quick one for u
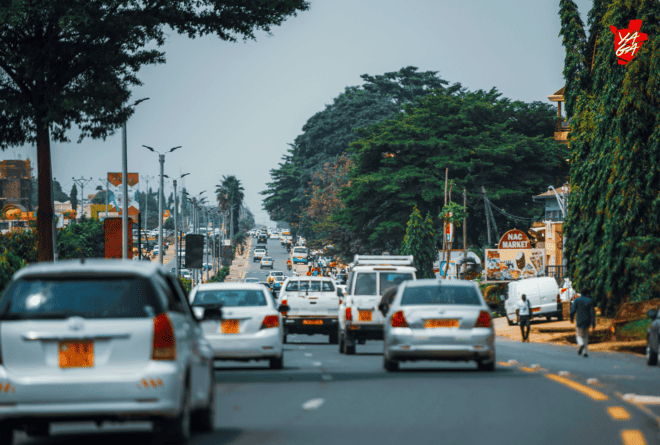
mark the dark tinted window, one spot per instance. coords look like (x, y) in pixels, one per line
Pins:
(292, 286)
(304, 286)
(315, 286)
(125, 297)
(365, 284)
(392, 279)
(327, 287)
(446, 294)
(230, 298)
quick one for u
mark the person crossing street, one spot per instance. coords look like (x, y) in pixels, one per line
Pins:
(583, 307)
(524, 313)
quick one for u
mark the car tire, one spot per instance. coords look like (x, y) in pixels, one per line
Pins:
(390, 365)
(177, 430)
(284, 339)
(38, 429)
(561, 317)
(342, 343)
(484, 365)
(349, 349)
(333, 338)
(277, 362)
(651, 356)
(204, 419)
(6, 433)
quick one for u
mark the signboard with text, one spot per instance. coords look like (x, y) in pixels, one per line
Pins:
(514, 259)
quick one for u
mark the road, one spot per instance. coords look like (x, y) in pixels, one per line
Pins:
(539, 394)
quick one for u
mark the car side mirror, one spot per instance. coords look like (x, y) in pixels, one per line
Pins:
(382, 307)
(213, 313)
(651, 314)
(283, 308)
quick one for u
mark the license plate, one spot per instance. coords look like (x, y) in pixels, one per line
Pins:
(317, 322)
(229, 326)
(441, 323)
(76, 354)
(536, 309)
(364, 315)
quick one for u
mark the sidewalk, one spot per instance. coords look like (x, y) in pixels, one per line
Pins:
(240, 264)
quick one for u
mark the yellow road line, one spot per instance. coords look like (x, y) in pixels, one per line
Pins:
(633, 437)
(596, 395)
(504, 364)
(618, 413)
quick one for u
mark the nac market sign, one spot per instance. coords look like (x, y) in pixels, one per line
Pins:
(628, 41)
(514, 259)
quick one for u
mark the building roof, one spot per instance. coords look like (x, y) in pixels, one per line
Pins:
(558, 96)
(566, 188)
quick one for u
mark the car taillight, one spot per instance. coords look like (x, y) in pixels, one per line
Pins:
(271, 321)
(349, 314)
(484, 320)
(164, 347)
(558, 299)
(398, 320)
(284, 304)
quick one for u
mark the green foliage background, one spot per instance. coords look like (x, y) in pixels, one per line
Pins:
(420, 242)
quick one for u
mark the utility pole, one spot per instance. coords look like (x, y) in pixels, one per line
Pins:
(146, 209)
(231, 234)
(176, 235)
(483, 190)
(464, 233)
(81, 182)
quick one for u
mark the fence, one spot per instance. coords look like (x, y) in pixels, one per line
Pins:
(557, 272)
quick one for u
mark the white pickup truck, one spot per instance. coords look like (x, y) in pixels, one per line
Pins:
(371, 276)
(313, 305)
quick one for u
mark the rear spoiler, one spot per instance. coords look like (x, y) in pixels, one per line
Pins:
(383, 260)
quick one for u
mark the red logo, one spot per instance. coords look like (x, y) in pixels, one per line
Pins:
(628, 41)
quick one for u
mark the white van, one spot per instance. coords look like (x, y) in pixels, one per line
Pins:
(543, 294)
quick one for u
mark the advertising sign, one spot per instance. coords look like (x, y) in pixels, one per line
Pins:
(113, 238)
(451, 272)
(628, 41)
(194, 251)
(115, 195)
(514, 259)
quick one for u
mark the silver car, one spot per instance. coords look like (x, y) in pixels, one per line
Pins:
(251, 325)
(653, 337)
(102, 340)
(438, 320)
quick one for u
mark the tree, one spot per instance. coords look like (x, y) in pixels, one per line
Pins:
(229, 193)
(73, 198)
(65, 63)
(85, 239)
(247, 222)
(169, 224)
(420, 242)
(614, 207)
(482, 138)
(99, 198)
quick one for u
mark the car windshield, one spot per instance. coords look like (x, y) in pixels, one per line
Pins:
(230, 298)
(388, 280)
(267, 259)
(277, 274)
(440, 294)
(60, 298)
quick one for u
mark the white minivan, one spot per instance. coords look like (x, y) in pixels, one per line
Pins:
(543, 294)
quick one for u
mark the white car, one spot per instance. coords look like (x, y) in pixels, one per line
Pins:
(259, 253)
(103, 340)
(266, 262)
(251, 326)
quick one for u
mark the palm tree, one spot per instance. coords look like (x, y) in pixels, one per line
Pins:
(230, 193)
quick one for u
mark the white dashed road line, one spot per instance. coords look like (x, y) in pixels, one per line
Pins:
(317, 363)
(308, 354)
(313, 404)
(643, 400)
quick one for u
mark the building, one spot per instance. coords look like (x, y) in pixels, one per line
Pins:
(15, 186)
(563, 127)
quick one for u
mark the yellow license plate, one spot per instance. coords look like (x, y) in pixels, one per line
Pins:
(536, 309)
(441, 323)
(76, 354)
(364, 315)
(229, 326)
(313, 322)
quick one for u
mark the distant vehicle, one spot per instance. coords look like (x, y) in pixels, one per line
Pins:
(262, 238)
(266, 262)
(300, 255)
(276, 283)
(259, 253)
(250, 327)
(273, 274)
(103, 324)
(251, 280)
(653, 337)
(542, 293)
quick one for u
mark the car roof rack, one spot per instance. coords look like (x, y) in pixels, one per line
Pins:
(383, 260)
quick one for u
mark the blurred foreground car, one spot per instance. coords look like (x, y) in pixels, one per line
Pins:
(653, 337)
(438, 320)
(250, 327)
(102, 340)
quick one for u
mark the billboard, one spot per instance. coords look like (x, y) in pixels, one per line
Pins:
(115, 195)
(514, 259)
(194, 251)
(113, 238)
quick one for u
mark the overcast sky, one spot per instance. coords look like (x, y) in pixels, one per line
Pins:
(234, 107)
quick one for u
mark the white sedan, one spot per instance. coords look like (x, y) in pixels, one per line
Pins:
(251, 326)
(266, 262)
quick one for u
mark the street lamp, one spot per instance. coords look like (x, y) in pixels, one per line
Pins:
(161, 158)
(124, 186)
(176, 229)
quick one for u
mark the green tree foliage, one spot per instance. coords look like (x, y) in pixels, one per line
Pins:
(85, 239)
(169, 224)
(65, 63)
(420, 242)
(328, 134)
(483, 139)
(615, 169)
(220, 276)
(10, 263)
(74, 197)
(23, 244)
(151, 208)
(574, 40)
(229, 193)
(99, 198)
(248, 221)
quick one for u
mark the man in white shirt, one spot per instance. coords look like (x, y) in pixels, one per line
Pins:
(524, 312)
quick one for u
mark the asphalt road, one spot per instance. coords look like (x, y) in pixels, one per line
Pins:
(539, 394)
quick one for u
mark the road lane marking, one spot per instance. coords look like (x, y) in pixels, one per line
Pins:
(525, 368)
(594, 382)
(642, 400)
(633, 437)
(512, 362)
(504, 363)
(307, 354)
(596, 395)
(564, 373)
(313, 404)
(618, 413)
(317, 363)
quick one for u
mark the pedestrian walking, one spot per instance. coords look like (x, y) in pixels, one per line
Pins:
(583, 307)
(524, 312)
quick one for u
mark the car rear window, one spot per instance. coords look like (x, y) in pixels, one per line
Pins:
(388, 280)
(327, 286)
(60, 298)
(230, 298)
(445, 294)
(365, 284)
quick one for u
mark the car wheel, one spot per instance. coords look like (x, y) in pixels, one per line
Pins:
(6, 433)
(651, 356)
(484, 365)
(204, 420)
(284, 339)
(38, 429)
(277, 362)
(177, 430)
(390, 365)
(334, 338)
(349, 349)
(342, 343)
(561, 317)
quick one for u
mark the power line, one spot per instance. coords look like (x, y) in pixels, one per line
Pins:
(513, 217)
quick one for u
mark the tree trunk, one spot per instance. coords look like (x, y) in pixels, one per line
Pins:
(44, 183)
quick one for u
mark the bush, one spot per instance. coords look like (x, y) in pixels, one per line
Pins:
(186, 284)
(635, 330)
(10, 263)
(220, 276)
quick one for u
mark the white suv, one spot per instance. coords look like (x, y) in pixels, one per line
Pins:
(371, 276)
(258, 254)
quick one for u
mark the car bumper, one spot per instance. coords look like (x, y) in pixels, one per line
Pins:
(151, 392)
(299, 260)
(298, 325)
(406, 344)
(266, 343)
